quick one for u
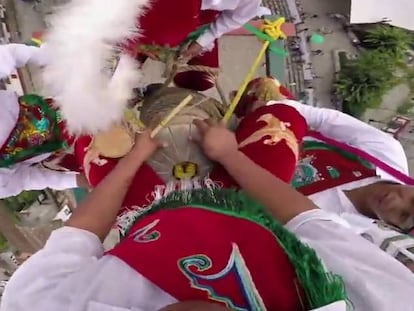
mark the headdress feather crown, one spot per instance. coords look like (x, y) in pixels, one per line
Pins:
(83, 39)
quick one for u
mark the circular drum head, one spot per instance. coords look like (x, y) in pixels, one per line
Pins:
(182, 159)
(115, 143)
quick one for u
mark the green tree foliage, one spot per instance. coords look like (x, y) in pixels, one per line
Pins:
(363, 81)
(388, 39)
(21, 201)
(3, 243)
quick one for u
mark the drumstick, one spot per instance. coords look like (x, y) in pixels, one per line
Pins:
(171, 115)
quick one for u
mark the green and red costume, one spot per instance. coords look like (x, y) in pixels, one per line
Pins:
(164, 25)
(39, 130)
(216, 244)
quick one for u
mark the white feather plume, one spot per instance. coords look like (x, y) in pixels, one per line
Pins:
(81, 42)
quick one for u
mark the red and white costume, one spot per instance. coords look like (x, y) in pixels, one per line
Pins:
(73, 258)
(165, 25)
(325, 169)
(190, 251)
(325, 172)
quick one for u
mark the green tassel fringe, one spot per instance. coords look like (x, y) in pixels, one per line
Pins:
(321, 287)
(193, 36)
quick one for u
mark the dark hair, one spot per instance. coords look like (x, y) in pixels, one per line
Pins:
(150, 89)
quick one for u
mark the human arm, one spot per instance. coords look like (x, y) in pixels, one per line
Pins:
(98, 212)
(229, 20)
(78, 245)
(346, 129)
(374, 280)
(66, 252)
(282, 201)
(14, 56)
(23, 177)
(364, 268)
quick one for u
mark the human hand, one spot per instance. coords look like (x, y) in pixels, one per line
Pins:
(193, 50)
(145, 146)
(218, 143)
(82, 181)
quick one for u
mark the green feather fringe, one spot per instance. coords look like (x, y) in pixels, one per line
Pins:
(321, 287)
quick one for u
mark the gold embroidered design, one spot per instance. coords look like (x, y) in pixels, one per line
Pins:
(274, 131)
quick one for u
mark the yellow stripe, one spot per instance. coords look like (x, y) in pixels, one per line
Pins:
(37, 41)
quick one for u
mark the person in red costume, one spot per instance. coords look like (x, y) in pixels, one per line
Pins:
(168, 23)
(210, 248)
(218, 265)
(376, 203)
(284, 125)
(329, 174)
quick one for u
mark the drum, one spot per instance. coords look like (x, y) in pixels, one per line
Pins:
(182, 159)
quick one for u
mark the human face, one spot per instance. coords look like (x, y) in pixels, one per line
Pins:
(393, 204)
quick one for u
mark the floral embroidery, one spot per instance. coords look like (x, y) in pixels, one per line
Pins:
(305, 173)
(333, 172)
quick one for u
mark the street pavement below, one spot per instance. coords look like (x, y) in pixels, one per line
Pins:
(317, 20)
(237, 54)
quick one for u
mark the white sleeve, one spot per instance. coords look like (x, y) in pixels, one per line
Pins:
(374, 280)
(344, 128)
(229, 21)
(67, 251)
(23, 177)
(14, 56)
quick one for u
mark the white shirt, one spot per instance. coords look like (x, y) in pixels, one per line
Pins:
(233, 15)
(335, 201)
(344, 128)
(14, 56)
(70, 273)
(23, 176)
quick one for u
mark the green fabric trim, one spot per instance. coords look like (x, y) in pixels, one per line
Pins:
(308, 145)
(165, 53)
(193, 36)
(32, 43)
(321, 287)
(262, 36)
(54, 146)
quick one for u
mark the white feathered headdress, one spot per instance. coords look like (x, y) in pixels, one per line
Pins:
(80, 45)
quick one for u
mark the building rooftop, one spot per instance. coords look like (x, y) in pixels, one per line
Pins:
(397, 12)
